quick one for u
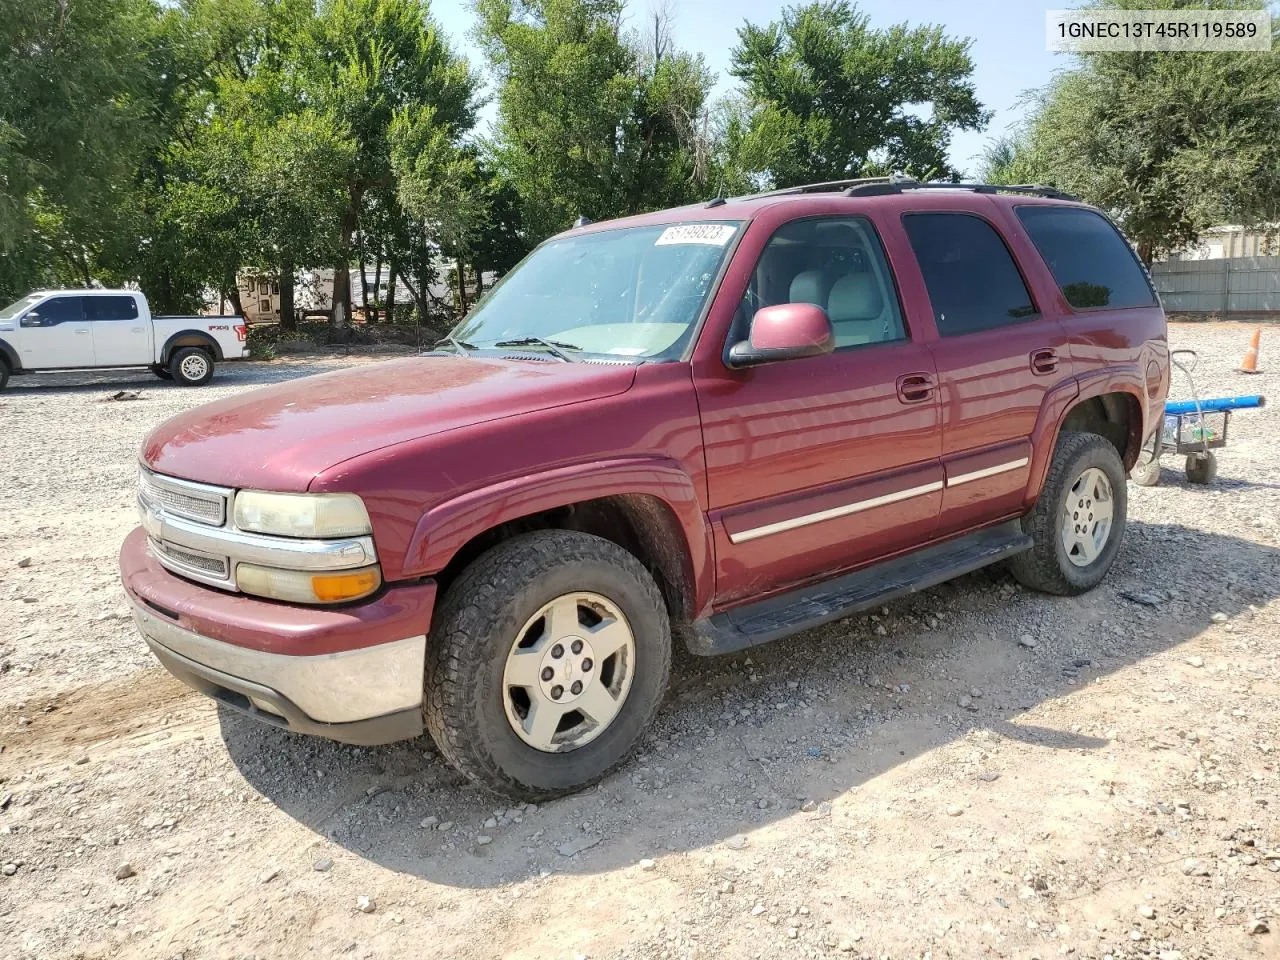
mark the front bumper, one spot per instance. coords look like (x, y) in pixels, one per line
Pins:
(352, 674)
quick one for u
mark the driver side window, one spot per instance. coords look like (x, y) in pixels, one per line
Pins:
(836, 263)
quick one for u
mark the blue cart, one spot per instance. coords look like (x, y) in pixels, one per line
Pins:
(1192, 428)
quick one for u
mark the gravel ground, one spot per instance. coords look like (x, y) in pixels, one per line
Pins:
(977, 771)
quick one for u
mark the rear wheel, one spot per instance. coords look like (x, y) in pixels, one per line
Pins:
(191, 366)
(1078, 522)
(548, 658)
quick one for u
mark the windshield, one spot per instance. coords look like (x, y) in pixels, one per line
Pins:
(633, 292)
(13, 309)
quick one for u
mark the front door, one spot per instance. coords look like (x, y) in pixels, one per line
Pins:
(120, 337)
(54, 334)
(819, 464)
(998, 352)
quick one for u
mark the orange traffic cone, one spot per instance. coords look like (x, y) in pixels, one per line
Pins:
(1250, 362)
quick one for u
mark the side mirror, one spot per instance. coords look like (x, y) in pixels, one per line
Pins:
(785, 331)
(32, 319)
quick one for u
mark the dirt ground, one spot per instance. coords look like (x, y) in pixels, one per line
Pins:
(978, 771)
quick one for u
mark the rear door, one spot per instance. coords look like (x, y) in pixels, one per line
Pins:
(998, 353)
(819, 464)
(120, 336)
(55, 334)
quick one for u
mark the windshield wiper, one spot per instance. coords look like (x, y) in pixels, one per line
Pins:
(555, 347)
(459, 346)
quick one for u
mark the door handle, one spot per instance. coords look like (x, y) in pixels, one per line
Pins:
(80, 331)
(138, 329)
(1044, 361)
(915, 387)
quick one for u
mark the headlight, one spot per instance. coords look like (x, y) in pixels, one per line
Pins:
(310, 515)
(295, 586)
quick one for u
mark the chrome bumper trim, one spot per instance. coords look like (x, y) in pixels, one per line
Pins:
(329, 688)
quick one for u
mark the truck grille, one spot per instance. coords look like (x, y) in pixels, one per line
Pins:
(194, 501)
(189, 561)
(192, 532)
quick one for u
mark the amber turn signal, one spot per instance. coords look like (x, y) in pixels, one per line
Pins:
(336, 587)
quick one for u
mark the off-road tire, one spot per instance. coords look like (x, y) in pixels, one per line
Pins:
(474, 629)
(1045, 566)
(185, 377)
(1202, 468)
(1146, 472)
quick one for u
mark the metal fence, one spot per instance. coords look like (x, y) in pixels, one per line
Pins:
(1235, 286)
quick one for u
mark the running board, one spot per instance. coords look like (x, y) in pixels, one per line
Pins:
(816, 604)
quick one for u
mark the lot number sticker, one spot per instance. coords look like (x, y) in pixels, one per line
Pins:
(714, 234)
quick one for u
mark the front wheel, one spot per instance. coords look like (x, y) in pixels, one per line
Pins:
(1078, 522)
(4, 374)
(191, 366)
(548, 658)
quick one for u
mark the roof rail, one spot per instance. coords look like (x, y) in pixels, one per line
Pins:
(822, 187)
(898, 183)
(1031, 189)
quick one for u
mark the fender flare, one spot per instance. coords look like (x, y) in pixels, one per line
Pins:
(205, 340)
(446, 527)
(11, 356)
(1065, 397)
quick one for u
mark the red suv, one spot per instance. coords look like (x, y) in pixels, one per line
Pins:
(745, 418)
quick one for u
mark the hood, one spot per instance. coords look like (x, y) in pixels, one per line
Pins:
(281, 437)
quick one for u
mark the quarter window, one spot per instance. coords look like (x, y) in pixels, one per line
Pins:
(836, 263)
(1092, 264)
(972, 280)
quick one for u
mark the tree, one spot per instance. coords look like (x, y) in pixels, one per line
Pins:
(828, 97)
(1168, 143)
(590, 122)
(371, 62)
(72, 124)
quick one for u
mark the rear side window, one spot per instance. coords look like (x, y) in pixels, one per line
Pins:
(972, 280)
(1091, 262)
(111, 308)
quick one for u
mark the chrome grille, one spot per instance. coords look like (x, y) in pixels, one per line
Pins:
(192, 562)
(182, 498)
(192, 532)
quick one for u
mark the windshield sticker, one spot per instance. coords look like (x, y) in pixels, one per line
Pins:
(714, 234)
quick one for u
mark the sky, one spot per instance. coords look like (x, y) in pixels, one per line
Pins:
(1008, 49)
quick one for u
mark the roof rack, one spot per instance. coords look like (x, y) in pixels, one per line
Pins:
(823, 187)
(898, 183)
(1030, 189)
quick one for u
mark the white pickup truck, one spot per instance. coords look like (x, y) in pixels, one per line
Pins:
(93, 329)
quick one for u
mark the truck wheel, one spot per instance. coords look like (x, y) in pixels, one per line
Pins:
(1078, 522)
(547, 659)
(4, 374)
(1146, 472)
(1202, 467)
(191, 366)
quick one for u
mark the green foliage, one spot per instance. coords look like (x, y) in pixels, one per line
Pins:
(73, 121)
(828, 97)
(591, 122)
(1168, 143)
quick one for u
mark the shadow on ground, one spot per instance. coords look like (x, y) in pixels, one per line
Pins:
(745, 740)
